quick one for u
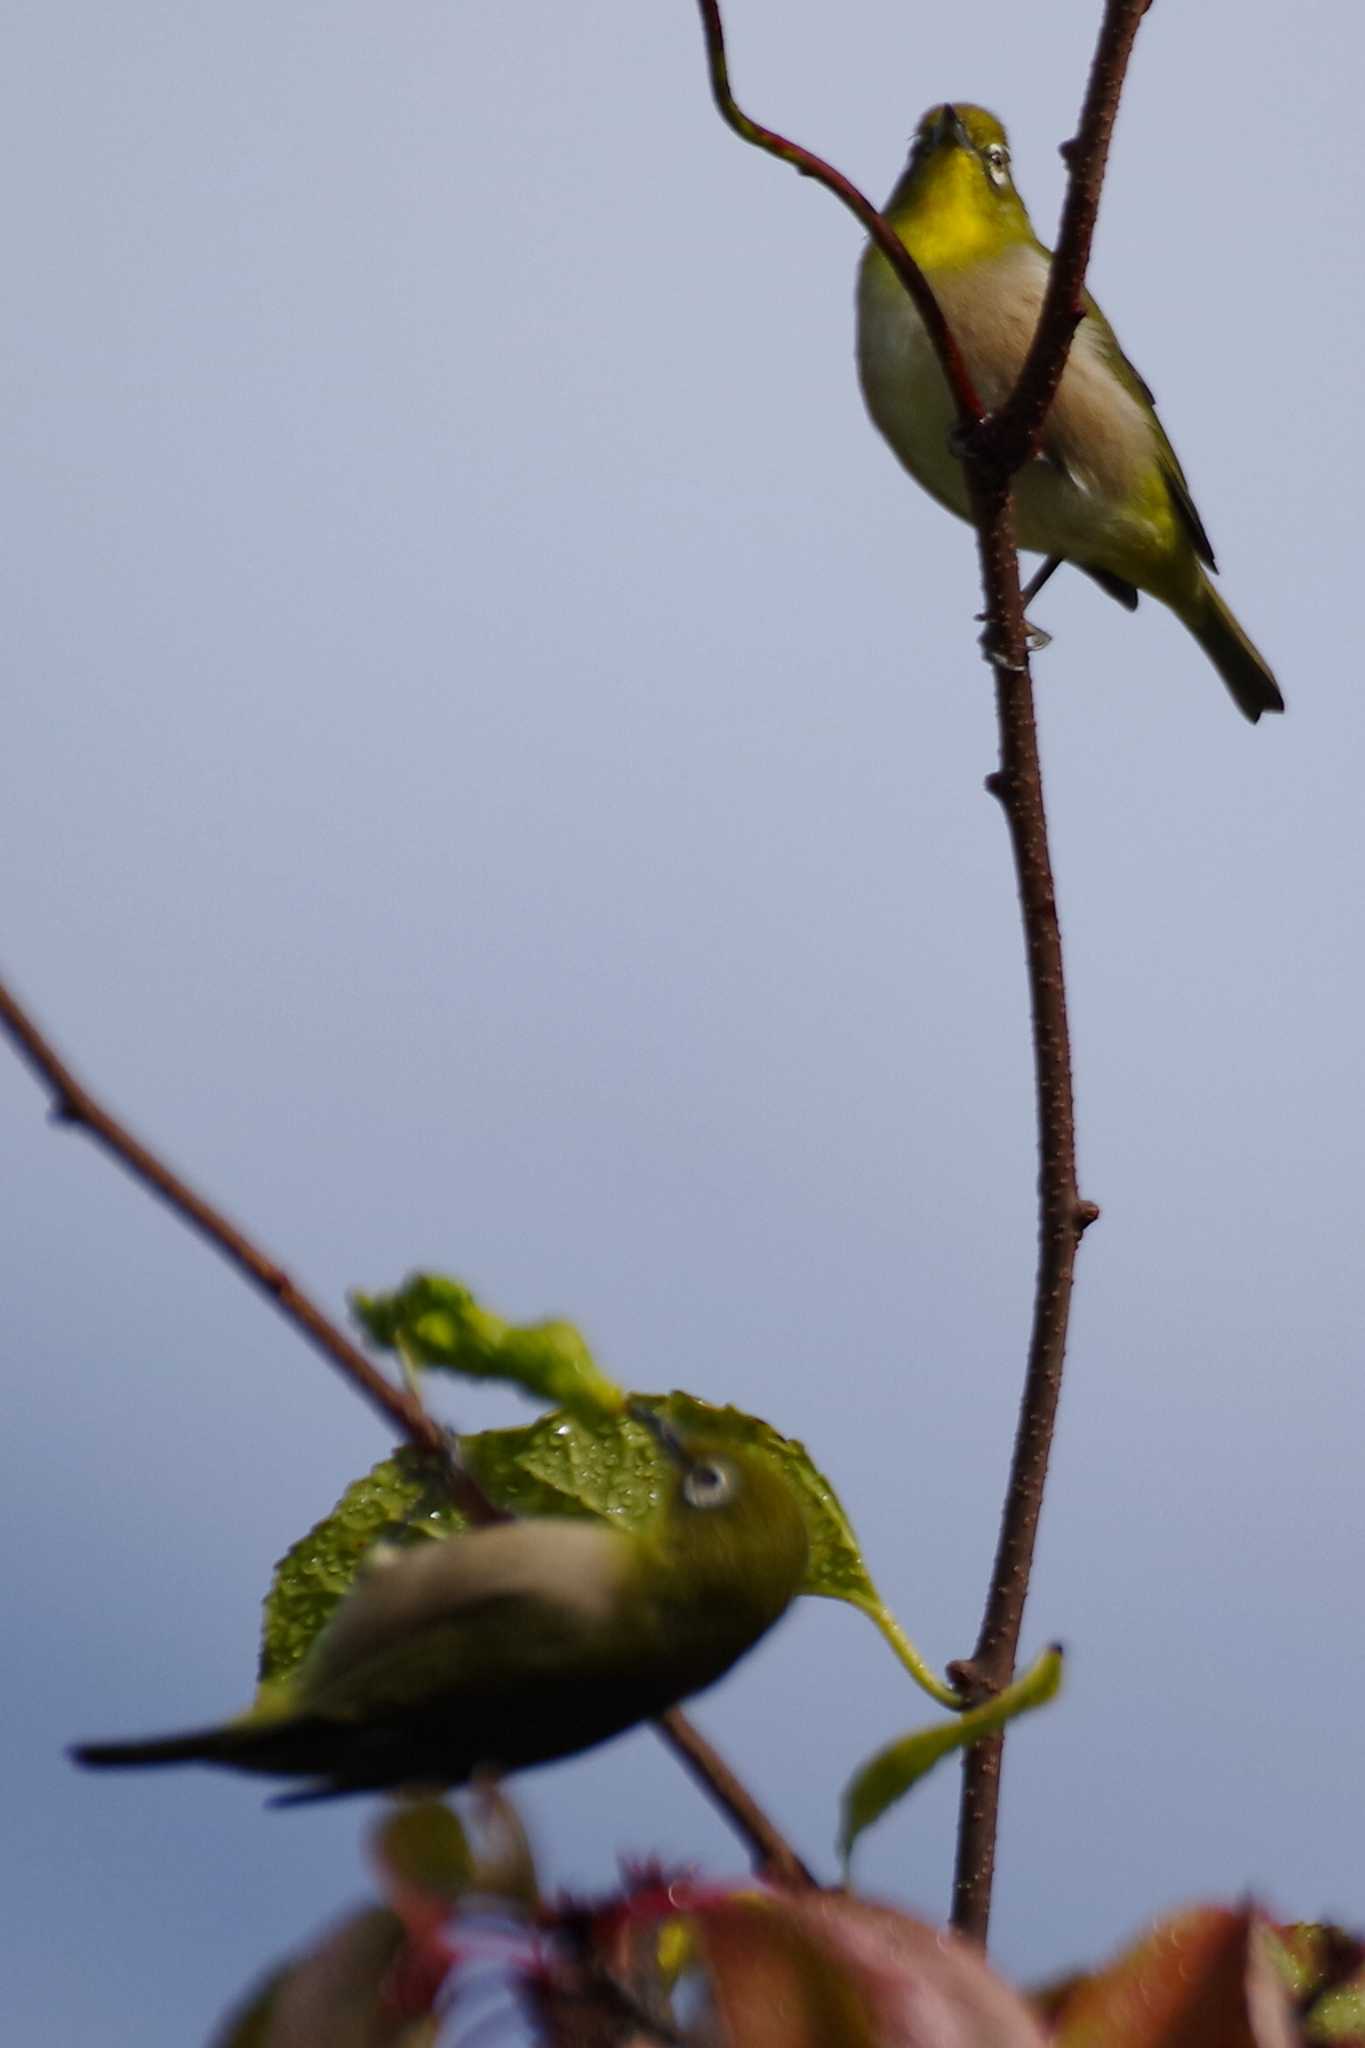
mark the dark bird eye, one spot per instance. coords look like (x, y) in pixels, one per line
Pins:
(997, 163)
(709, 1485)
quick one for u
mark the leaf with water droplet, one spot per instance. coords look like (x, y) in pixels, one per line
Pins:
(436, 1323)
(397, 1501)
(610, 1466)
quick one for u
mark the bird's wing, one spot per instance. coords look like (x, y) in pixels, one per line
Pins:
(481, 1600)
(1138, 387)
(504, 1644)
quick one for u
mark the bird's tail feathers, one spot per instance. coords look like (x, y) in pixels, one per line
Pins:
(197, 1745)
(1241, 665)
(283, 1745)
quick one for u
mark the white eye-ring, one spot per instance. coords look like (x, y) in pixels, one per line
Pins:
(709, 1484)
(997, 163)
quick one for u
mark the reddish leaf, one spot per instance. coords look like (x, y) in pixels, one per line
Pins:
(336, 1996)
(1204, 1979)
(828, 1971)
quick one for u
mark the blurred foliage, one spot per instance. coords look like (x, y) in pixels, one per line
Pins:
(608, 1466)
(436, 1323)
(886, 1777)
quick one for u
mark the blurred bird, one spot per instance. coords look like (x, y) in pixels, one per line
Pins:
(516, 1644)
(1105, 490)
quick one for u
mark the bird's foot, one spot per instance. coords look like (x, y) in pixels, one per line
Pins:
(1035, 640)
(976, 442)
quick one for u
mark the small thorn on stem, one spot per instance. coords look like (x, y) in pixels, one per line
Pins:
(1086, 1214)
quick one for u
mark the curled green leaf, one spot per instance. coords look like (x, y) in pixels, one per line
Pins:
(886, 1777)
(437, 1323)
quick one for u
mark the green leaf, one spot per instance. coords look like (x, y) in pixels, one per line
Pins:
(616, 1468)
(566, 1464)
(399, 1500)
(886, 1777)
(563, 1463)
(1324, 1967)
(421, 1848)
(558, 1465)
(836, 1570)
(435, 1322)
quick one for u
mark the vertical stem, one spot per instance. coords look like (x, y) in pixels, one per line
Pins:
(1018, 784)
(992, 449)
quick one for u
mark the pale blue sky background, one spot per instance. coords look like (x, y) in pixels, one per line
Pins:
(492, 778)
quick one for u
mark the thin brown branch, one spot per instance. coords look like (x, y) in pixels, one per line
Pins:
(1063, 1216)
(1010, 438)
(772, 1853)
(1019, 786)
(970, 411)
(72, 1103)
(992, 449)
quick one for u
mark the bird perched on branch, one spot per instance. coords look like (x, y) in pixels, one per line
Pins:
(1104, 490)
(519, 1643)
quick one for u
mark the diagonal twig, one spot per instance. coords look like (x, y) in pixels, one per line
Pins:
(772, 1851)
(73, 1104)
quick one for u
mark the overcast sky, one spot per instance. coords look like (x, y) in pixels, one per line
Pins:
(492, 779)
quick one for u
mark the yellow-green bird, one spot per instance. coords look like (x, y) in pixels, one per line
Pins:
(514, 1645)
(1105, 490)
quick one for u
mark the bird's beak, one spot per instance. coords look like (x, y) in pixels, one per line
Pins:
(663, 1432)
(948, 128)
